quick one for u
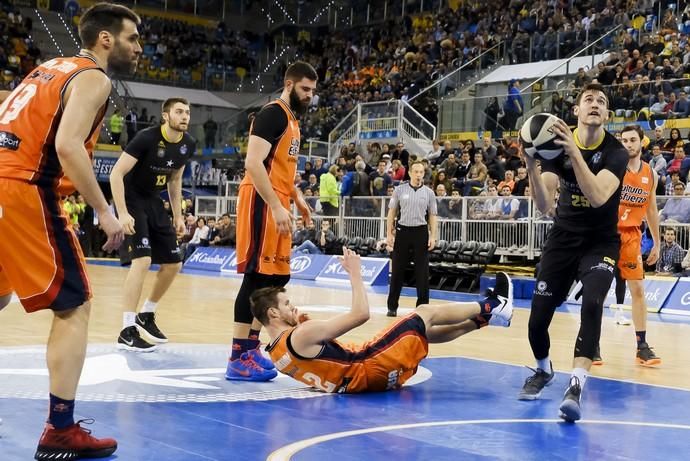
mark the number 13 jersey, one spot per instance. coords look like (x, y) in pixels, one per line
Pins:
(29, 119)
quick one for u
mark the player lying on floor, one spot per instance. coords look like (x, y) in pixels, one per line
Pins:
(307, 350)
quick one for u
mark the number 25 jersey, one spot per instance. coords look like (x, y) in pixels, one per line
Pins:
(29, 119)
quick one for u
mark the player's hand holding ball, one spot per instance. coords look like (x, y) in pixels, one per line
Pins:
(545, 137)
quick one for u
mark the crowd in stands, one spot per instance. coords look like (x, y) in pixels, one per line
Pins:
(178, 52)
(18, 53)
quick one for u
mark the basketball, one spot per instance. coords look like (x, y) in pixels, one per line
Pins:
(538, 137)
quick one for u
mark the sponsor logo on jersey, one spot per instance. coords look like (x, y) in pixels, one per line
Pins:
(161, 149)
(596, 157)
(294, 147)
(541, 289)
(183, 149)
(9, 140)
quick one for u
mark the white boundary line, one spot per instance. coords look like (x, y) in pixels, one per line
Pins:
(285, 453)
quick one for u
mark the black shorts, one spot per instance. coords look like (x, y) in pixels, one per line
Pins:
(570, 256)
(154, 235)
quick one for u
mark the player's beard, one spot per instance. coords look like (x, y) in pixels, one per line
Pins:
(178, 126)
(290, 320)
(119, 61)
(297, 105)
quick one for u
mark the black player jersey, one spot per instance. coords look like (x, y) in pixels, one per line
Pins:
(574, 212)
(157, 158)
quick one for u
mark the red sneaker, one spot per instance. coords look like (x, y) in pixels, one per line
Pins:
(72, 442)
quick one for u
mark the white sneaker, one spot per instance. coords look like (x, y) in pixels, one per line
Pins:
(618, 314)
(502, 314)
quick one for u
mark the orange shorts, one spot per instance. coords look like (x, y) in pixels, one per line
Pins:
(630, 261)
(260, 248)
(40, 256)
(395, 354)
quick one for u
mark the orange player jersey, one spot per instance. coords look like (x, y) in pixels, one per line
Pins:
(384, 363)
(29, 119)
(281, 162)
(635, 195)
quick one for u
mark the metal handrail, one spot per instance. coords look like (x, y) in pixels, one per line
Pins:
(467, 64)
(567, 61)
(404, 105)
(340, 123)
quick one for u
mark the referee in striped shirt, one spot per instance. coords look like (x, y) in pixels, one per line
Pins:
(415, 232)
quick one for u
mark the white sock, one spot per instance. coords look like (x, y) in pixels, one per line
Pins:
(128, 319)
(581, 374)
(148, 306)
(545, 364)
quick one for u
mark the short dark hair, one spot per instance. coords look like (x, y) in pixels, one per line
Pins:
(299, 70)
(168, 103)
(262, 300)
(103, 16)
(635, 128)
(591, 87)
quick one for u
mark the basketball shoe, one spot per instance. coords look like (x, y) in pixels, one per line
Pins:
(597, 360)
(502, 314)
(646, 356)
(72, 442)
(146, 321)
(533, 386)
(260, 359)
(570, 407)
(246, 369)
(131, 340)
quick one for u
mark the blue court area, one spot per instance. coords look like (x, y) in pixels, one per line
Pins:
(174, 405)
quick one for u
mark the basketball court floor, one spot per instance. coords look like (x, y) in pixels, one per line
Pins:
(174, 404)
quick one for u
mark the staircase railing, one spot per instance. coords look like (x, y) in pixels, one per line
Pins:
(386, 120)
(458, 79)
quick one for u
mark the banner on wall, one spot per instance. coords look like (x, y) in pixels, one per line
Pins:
(307, 267)
(656, 291)
(681, 123)
(374, 271)
(379, 134)
(210, 259)
(102, 166)
(679, 300)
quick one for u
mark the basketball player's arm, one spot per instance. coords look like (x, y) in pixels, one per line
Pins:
(175, 194)
(543, 186)
(84, 98)
(117, 185)
(301, 205)
(390, 220)
(3, 95)
(597, 188)
(433, 222)
(653, 222)
(257, 151)
(314, 332)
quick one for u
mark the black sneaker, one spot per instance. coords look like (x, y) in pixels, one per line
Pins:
(570, 407)
(533, 386)
(146, 322)
(130, 340)
(646, 356)
(391, 313)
